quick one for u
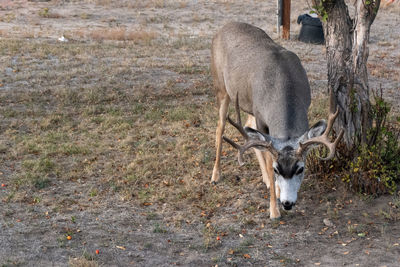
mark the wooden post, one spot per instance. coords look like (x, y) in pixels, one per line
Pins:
(286, 19)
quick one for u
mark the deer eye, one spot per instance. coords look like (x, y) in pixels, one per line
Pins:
(300, 170)
(276, 171)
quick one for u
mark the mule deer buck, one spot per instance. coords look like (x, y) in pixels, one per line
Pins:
(271, 86)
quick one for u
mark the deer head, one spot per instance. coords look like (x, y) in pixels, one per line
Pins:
(288, 155)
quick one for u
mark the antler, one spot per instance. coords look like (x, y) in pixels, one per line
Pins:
(249, 141)
(323, 139)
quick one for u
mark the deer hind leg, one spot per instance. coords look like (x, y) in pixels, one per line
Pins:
(223, 110)
(251, 122)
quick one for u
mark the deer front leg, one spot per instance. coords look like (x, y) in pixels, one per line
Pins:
(265, 161)
(223, 110)
(273, 205)
(277, 191)
(251, 122)
(263, 167)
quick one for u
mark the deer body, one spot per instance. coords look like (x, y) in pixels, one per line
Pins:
(271, 86)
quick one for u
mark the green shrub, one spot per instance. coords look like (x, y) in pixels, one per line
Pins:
(376, 168)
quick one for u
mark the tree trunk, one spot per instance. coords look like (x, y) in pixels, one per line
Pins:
(347, 55)
(363, 19)
(337, 31)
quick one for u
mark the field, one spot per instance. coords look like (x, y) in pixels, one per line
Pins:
(107, 144)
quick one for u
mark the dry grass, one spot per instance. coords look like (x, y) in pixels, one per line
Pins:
(318, 109)
(117, 34)
(8, 17)
(391, 5)
(138, 4)
(130, 134)
(49, 14)
(23, 32)
(382, 71)
(65, 135)
(138, 36)
(82, 262)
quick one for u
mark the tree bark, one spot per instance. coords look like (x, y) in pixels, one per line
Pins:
(364, 17)
(347, 55)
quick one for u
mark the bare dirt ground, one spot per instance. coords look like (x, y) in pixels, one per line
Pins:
(107, 144)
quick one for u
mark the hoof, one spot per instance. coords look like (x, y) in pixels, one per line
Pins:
(266, 182)
(275, 219)
(275, 215)
(215, 176)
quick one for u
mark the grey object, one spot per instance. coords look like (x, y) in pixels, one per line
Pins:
(311, 29)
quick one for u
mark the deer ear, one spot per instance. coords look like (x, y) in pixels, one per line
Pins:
(256, 135)
(317, 129)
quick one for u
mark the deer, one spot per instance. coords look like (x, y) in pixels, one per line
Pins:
(269, 83)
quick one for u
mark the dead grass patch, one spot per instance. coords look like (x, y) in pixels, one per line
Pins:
(21, 32)
(186, 43)
(138, 4)
(82, 262)
(318, 109)
(161, 4)
(392, 6)
(118, 34)
(382, 71)
(9, 17)
(148, 149)
(49, 14)
(144, 36)
(85, 16)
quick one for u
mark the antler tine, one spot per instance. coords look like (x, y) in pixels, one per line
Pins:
(331, 120)
(324, 138)
(238, 125)
(246, 146)
(238, 147)
(249, 142)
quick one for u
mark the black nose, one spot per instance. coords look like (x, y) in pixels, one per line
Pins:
(287, 205)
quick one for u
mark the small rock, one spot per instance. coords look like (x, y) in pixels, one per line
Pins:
(9, 71)
(328, 222)
(62, 39)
